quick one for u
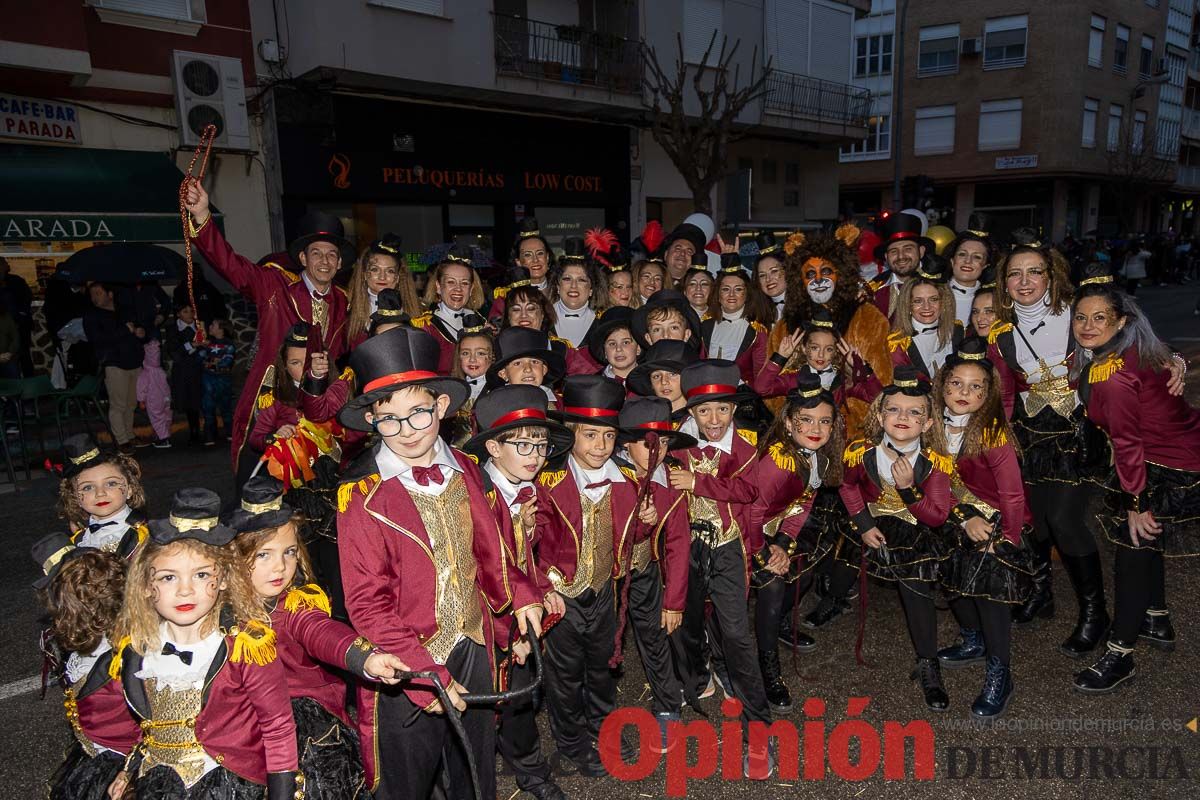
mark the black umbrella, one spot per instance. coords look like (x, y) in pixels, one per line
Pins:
(122, 263)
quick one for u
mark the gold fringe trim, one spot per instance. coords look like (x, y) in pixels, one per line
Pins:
(898, 341)
(629, 473)
(266, 400)
(346, 490)
(143, 533)
(306, 598)
(940, 462)
(347, 375)
(422, 321)
(997, 329)
(994, 437)
(785, 462)
(552, 479)
(750, 436)
(1103, 370)
(855, 452)
(758, 326)
(254, 644)
(114, 666)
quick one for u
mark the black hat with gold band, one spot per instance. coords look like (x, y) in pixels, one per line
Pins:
(473, 325)
(1097, 273)
(52, 553)
(909, 381)
(987, 279)
(933, 268)
(821, 320)
(768, 246)
(574, 251)
(195, 514)
(261, 506)
(81, 452)
(808, 392)
(389, 310)
(971, 350)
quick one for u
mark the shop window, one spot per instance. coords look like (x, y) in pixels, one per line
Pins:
(559, 223)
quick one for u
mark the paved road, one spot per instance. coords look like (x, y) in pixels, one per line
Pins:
(1053, 743)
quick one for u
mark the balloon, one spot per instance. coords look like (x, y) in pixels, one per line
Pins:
(941, 236)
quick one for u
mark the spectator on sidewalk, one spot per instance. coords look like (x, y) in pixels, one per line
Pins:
(10, 343)
(1135, 266)
(119, 353)
(218, 355)
(153, 393)
(187, 370)
(15, 293)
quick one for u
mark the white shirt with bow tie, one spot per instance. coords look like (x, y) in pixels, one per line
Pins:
(573, 325)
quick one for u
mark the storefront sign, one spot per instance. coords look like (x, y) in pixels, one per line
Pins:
(43, 120)
(85, 227)
(1017, 162)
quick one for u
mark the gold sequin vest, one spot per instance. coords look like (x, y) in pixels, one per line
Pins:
(594, 563)
(169, 736)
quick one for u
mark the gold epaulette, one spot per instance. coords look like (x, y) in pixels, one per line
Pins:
(940, 462)
(552, 479)
(143, 533)
(254, 643)
(474, 458)
(346, 490)
(706, 317)
(554, 338)
(784, 461)
(500, 292)
(758, 326)
(291, 276)
(307, 598)
(1101, 371)
(898, 341)
(347, 375)
(750, 436)
(423, 320)
(877, 283)
(998, 328)
(629, 473)
(853, 455)
(266, 400)
(114, 666)
(994, 437)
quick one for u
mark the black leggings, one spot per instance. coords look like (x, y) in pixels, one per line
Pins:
(774, 604)
(1059, 514)
(994, 619)
(1139, 586)
(921, 615)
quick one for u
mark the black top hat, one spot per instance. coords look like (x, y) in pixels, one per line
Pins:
(81, 452)
(1027, 237)
(195, 514)
(642, 415)
(669, 354)
(516, 406)
(910, 381)
(389, 245)
(297, 336)
(664, 298)
(687, 232)
(971, 350)
(821, 320)
(320, 226)
(389, 310)
(613, 261)
(528, 228)
(52, 553)
(261, 506)
(394, 360)
(591, 400)
(473, 325)
(768, 245)
(808, 392)
(987, 279)
(712, 380)
(902, 227)
(459, 254)
(933, 268)
(574, 251)
(612, 319)
(517, 342)
(1097, 273)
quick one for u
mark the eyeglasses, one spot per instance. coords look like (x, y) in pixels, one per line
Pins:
(525, 448)
(418, 420)
(111, 486)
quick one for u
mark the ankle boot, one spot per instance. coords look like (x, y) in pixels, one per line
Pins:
(997, 690)
(1087, 578)
(829, 609)
(1114, 668)
(777, 692)
(969, 650)
(794, 639)
(929, 675)
(1157, 629)
(1040, 604)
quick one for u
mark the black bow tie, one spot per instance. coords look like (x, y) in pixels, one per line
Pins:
(1038, 327)
(781, 302)
(726, 319)
(95, 526)
(184, 655)
(825, 371)
(927, 330)
(960, 291)
(473, 381)
(565, 314)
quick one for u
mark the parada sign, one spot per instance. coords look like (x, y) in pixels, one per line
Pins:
(42, 120)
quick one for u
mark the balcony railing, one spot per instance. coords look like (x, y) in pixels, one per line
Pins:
(805, 97)
(567, 54)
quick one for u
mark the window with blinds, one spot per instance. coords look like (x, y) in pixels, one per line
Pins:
(701, 18)
(1091, 107)
(436, 7)
(1096, 41)
(1121, 51)
(168, 9)
(1000, 124)
(933, 133)
(938, 53)
(1004, 42)
(1115, 113)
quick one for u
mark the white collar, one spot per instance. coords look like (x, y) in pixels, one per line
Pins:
(182, 326)
(80, 664)
(734, 316)
(725, 445)
(883, 461)
(171, 671)
(921, 329)
(392, 466)
(476, 385)
(562, 311)
(583, 477)
(954, 284)
(452, 318)
(312, 289)
(779, 298)
(1030, 316)
(957, 420)
(895, 280)
(504, 485)
(118, 518)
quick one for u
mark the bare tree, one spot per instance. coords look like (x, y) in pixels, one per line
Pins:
(1139, 166)
(699, 145)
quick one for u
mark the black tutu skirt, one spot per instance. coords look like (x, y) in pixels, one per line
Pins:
(1004, 575)
(317, 500)
(1173, 496)
(816, 539)
(912, 553)
(1050, 445)
(329, 755)
(163, 783)
(82, 777)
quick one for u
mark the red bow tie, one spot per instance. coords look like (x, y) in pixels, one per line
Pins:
(524, 496)
(423, 475)
(599, 484)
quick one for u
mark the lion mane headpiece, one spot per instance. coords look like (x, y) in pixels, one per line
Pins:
(838, 250)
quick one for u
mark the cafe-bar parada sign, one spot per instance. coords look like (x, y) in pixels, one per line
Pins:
(41, 120)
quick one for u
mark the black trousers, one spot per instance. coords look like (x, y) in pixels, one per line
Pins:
(719, 575)
(774, 603)
(645, 617)
(517, 736)
(1059, 515)
(416, 748)
(994, 619)
(1139, 578)
(920, 614)
(580, 690)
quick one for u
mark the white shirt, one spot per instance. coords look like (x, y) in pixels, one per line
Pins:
(572, 325)
(927, 345)
(476, 385)
(729, 330)
(826, 376)
(954, 440)
(373, 301)
(505, 487)
(883, 461)
(1049, 339)
(609, 472)
(392, 466)
(80, 664)
(312, 289)
(452, 319)
(780, 302)
(183, 326)
(963, 297)
(725, 445)
(108, 537)
(814, 473)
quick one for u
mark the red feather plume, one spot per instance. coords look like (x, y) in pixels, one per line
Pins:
(653, 236)
(599, 243)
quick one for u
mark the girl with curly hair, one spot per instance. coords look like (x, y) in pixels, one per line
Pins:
(101, 497)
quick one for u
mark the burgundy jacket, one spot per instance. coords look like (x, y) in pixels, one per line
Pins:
(778, 487)
(994, 476)
(733, 486)
(102, 715)
(446, 340)
(752, 353)
(929, 498)
(880, 289)
(672, 544)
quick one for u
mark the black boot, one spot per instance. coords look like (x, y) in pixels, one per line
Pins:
(929, 675)
(1157, 629)
(829, 609)
(969, 650)
(1087, 578)
(777, 692)
(792, 639)
(1114, 668)
(1040, 604)
(997, 690)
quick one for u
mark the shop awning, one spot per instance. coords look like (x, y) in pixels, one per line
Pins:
(80, 194)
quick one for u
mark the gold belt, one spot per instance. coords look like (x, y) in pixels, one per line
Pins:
(889, 504)
(794, 508)
(965, 495)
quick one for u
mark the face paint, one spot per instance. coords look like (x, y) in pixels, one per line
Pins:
(820, 278)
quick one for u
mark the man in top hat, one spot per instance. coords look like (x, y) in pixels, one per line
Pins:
(904, 245)
(679, 248)
(424, 568)
(281, 297)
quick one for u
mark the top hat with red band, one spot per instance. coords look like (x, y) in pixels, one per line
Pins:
(899, 228)
(320, 226)
(591, 400)
(664, 298)
(713, 380)
(393, 360)
(512, 407)
(643, 415)
(518, 342)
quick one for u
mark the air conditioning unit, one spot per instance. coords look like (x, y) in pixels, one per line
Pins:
(209, 90)
(972, 47)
